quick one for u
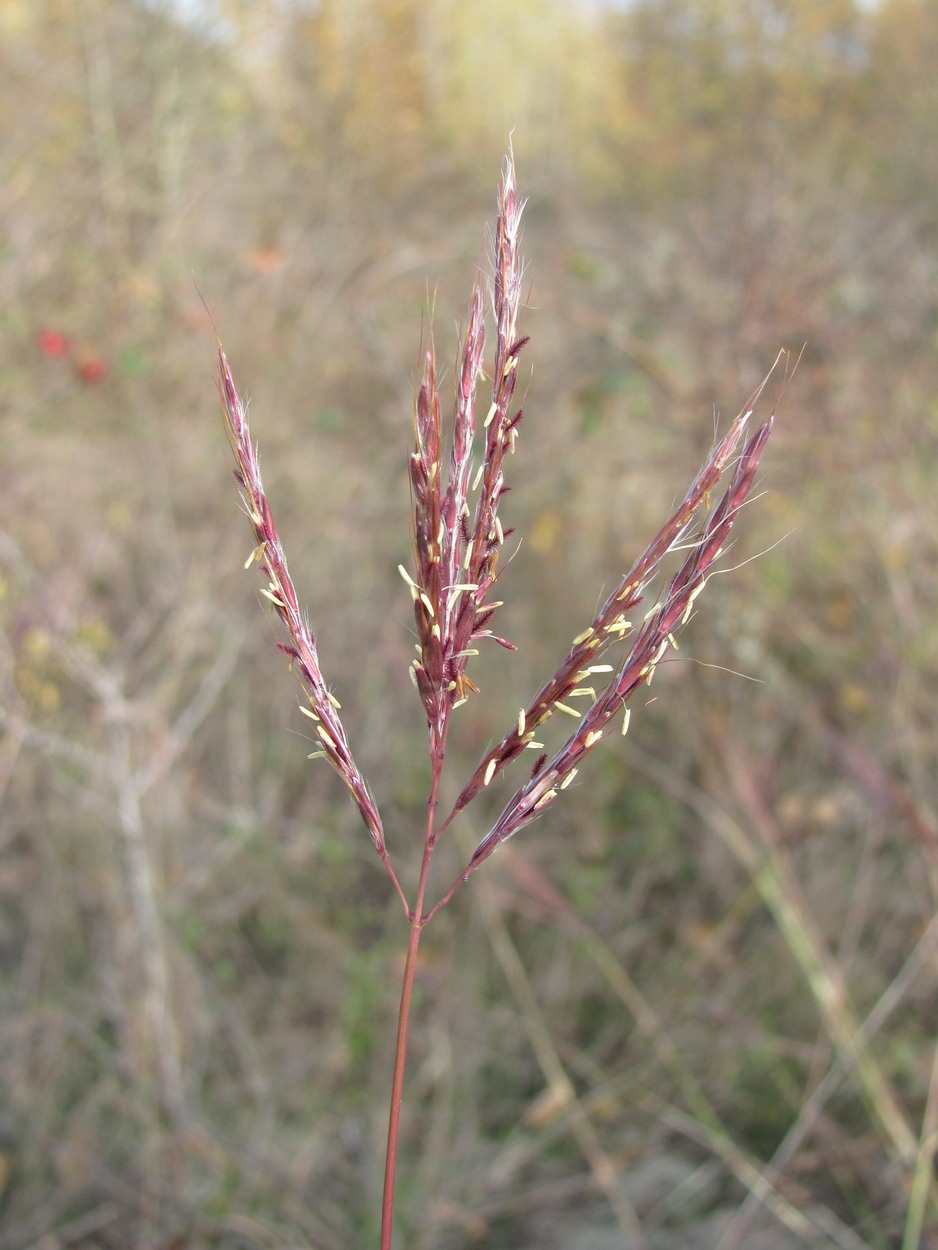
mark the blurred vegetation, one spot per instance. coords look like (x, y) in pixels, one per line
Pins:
(700, 998)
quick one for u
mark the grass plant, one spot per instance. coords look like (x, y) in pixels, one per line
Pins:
(459, 561)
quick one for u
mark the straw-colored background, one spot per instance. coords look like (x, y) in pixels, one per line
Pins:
(696, 1005)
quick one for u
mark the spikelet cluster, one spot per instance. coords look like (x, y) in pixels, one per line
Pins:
(458, 533)
(459, 541)
(321, 707)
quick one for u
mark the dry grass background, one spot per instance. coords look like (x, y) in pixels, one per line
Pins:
(696, 1005)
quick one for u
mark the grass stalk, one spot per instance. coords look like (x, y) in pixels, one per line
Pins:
(397, 1082)
(560, 1094)
(782, 894)
(417, 922)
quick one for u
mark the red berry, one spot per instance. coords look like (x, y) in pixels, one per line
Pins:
(52, 343)
(91, 369)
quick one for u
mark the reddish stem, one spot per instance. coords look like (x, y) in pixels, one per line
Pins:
(397, 1084)
(417, 922)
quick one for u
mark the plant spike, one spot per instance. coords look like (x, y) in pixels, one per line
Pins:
(457, 548)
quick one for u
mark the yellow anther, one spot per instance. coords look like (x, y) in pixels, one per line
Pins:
(570, 711)
(256, 555)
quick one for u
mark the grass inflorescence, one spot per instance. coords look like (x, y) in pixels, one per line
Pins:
(459, 557)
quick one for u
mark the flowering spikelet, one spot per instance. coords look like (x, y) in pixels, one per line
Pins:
(611, 625)
(456, 550)
(279, 591)
(654, 639)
